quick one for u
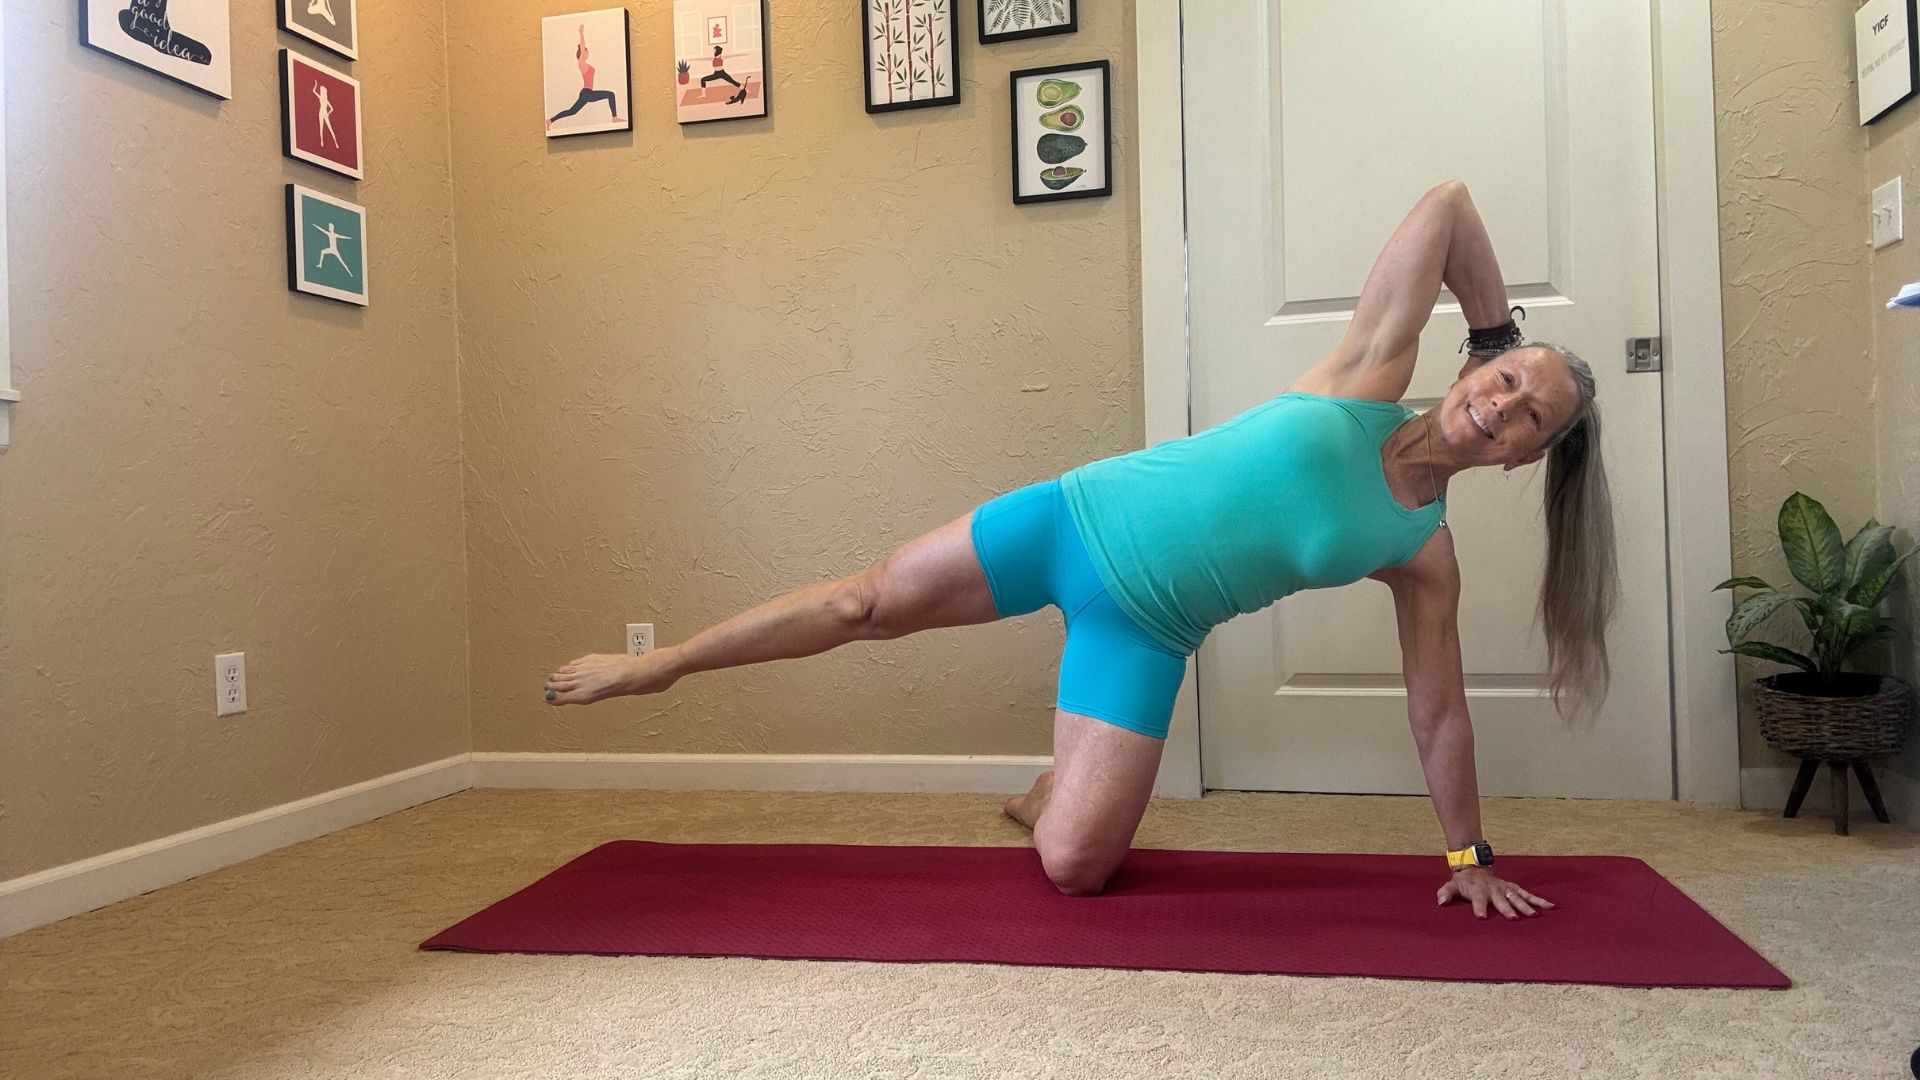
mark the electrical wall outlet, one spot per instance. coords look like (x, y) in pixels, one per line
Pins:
(1888, 225)
(639, 638)
(229, 683)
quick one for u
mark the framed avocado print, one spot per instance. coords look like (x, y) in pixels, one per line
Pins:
(1062, 132)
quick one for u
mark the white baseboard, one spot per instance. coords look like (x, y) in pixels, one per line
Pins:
(762, 772)
(1767, 789)
(63, 891)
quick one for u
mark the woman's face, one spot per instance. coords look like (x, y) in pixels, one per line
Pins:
(1501, 412)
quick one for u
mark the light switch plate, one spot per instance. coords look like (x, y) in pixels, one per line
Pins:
(1888, 224)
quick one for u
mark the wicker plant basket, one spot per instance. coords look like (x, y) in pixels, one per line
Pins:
(1867, 725)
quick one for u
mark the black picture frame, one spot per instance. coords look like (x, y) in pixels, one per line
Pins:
(866, 61)
(1017, 159)
(626, 53)
(1913, 68)
(1072, 25)
(766, 82)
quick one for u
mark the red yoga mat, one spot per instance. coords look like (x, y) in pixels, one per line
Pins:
(1617, 922)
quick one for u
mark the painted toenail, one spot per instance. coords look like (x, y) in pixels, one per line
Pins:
(551, 695)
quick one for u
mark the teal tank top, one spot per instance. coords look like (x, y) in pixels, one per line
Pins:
(1288, 495)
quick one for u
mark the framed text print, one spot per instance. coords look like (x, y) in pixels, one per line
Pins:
(1884, 54)
(184, 40)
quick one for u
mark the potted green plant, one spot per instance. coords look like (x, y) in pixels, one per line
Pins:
(1821, 712)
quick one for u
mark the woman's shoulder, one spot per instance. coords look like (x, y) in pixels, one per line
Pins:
(1334, 377)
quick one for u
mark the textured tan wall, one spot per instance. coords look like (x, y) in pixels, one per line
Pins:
(706, 365)
(1895, 151)
(1795, 276)
(206, 462)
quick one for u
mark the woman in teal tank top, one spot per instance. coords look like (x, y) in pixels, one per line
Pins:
(1145, 553)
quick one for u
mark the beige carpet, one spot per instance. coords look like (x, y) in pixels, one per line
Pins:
(303, 963)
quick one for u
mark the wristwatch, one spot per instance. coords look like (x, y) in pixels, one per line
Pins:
(1475, 854)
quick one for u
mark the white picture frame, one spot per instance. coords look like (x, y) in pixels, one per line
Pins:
(333, 25)
(182, 40)
(1886, 64)
(576, 48)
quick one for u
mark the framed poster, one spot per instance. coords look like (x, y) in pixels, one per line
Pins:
(1884, 56)
(330, 24)
(1062, 132)
(326, 246)
(720, 60)
(320, 115)
(912, 59)
(183, 40)
(584, 59)
(1011, 20)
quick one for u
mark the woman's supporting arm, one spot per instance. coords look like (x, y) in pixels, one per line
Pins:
(1426, 595)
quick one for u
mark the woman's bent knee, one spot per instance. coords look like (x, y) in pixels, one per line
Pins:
(1078, 874)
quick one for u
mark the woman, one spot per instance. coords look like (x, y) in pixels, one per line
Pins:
(1148, 551)
(588, 95)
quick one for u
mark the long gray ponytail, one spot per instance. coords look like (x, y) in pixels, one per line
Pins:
(1581, 583)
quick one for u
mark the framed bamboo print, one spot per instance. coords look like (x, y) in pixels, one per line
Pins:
(326, 246)
(182, 40)
(320, 115)
(912, 53)
(330, 24)
(1062, 132)
(720, 60)
(1011, 20)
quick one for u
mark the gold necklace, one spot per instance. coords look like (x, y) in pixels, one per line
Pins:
(1428, 418)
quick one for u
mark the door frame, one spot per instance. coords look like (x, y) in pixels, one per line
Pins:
(1703, 709)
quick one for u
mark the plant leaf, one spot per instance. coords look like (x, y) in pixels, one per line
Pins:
(1872, 589)
(1811, 540)
(1753, 611)
(1867, 554)
(1763, 651)
(1741, 583)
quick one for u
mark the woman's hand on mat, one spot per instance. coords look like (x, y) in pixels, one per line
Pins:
(1482, 888)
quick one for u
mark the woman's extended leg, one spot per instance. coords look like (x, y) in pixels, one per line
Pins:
(1085, 811)
(932, 581)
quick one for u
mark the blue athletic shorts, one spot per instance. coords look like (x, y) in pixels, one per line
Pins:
(1111, 669)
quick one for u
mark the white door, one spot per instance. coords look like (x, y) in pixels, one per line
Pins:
(1312, 126)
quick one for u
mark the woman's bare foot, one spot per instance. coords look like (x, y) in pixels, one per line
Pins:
(603, 675)
(1026, 809)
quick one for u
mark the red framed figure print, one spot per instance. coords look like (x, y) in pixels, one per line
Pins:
(320, 115)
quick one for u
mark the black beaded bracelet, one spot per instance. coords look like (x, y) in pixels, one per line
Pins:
(1493, 340)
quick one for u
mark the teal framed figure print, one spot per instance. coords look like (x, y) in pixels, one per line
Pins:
(326, 246)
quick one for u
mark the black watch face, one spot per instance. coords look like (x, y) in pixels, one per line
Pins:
(1483, 853)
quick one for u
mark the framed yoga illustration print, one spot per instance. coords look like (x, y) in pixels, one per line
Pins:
(330, 24)
(183, 40)
(720, 60)
(584, 65)
(326, 246)
(1062, 124)
(912, 53)
(1887, 63)
(320, 115)
(1011, 20)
